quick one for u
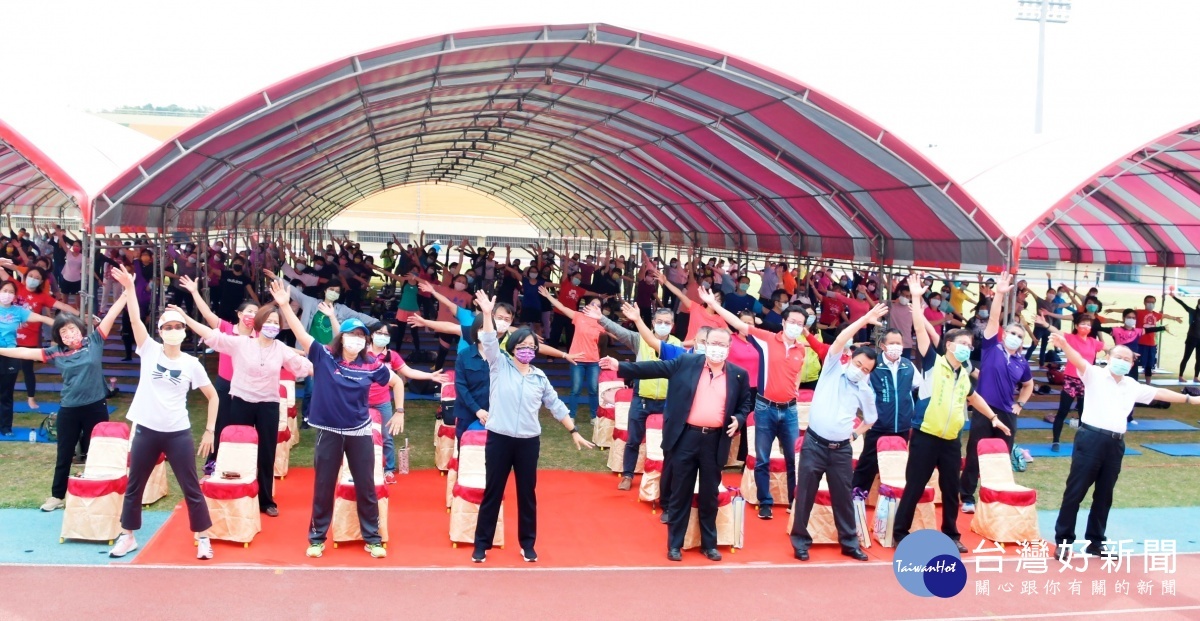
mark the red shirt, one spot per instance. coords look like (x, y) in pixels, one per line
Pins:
(569, 295)
(779, 365)
(699, 316)
(1087, 347)
(857, 308)
(461, 299)
(1148, 319)
(831, 311)
(30, 333)
(935, 315)
(587, 338)
(708, 405)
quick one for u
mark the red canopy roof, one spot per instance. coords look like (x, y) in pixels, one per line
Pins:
(29, 180)
(1143, 209)
(589, 130)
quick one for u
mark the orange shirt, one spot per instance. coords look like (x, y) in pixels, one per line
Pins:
(779, 365)
(699, 316)
(788, 283)
(587, 338)
(708, 406)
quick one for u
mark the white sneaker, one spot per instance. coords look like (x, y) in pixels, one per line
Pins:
(125, 544)
(53, 504)
(968, 507)
(204, 548)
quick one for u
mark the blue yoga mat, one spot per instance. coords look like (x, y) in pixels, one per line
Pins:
(21, 434)
(45, 408)
(1041, 405)
(1175, 450)
(1025, 424)
(1150, 424)
(1064, 450)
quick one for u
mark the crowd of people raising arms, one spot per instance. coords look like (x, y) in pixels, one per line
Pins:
(886, 355)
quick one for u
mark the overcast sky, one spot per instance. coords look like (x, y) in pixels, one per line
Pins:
(934, 72)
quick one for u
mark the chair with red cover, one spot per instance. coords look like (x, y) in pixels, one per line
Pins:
(804, 399)
(605, 421)
(616, 456)
(731, 520)
(94, 499)
(231, 493)
(893, 462)
(283, 436)
(345, 525)
(821, 526)
(447, 395)
(1006, 511)
(777, 468)
(468, 493)
(650, 489)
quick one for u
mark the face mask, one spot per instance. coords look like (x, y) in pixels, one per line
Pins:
(173, 337)
(470, 280)
(810, 321)
(862, 296)
(332, 295)
(717, 353)
(1083, 329)
(962, 353)
(1091, 308)
(904, 301)
(1149, 306)
(699, 348)
(248, 321)
(855, 374)
(892, 352)
(531, 276)
(745, 286)
(1119, 367)
(662, 329)
(6, 298)
(1013, 341)
(317, 266)
(792, 331)
(1131, 323)
(73, 341)
(33, 283)
(380, 340)
(236, 268)
(460, 286)
(830, 293)
(270, 331)
(525, 355)
(352, 344)
(983, 314)
(576, 281)
(935, 302)
(503, 326)
(300, 265)
(329, 258)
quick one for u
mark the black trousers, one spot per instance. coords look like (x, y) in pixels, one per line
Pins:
(560, 326)
(639, 410)
(224, 412)
(74, 426)
(506, 454)
(1064, 407)
(868, 461)
(180, 451)
(8, 383)
(817, 459)
(982, 429)
(327, 463)
(1095, 460)
(1190, 346)
(694, 455)
(927, 452)
(31, 378)
(445, 343)
(264, 417)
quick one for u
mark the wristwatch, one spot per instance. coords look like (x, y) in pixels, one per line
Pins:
(574, 430)
(1021, 404)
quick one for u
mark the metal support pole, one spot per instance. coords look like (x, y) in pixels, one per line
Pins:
(87, 294)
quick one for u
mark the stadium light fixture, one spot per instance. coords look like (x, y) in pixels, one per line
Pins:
(1043, 12)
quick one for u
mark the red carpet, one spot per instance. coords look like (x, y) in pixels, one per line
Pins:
(583, 521)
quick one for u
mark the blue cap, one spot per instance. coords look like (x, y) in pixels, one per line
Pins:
(352, 324)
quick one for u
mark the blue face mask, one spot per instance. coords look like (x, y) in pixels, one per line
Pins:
(962, 353)
(1119, 367)
(1091, 308)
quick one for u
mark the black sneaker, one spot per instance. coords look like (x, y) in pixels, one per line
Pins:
(479, 556)
(1100, 551)
(529, 555)
(1054, 447)
(764, 512)
(664, 518)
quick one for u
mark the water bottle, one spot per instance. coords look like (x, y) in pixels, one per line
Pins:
(33, 435)
(1073, 422)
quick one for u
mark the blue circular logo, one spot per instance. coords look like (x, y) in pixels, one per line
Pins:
(927, 564)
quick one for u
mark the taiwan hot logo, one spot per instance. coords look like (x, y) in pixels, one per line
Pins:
(927, 564)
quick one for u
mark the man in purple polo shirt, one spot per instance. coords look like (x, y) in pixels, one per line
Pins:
(1002, 368)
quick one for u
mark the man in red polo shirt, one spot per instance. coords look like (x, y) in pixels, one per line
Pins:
(780, 363)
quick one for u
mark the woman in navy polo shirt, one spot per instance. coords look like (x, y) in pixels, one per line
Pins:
(342, 376)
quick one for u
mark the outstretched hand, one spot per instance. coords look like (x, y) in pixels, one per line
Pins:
(281, 292)
(875, 315)
(1003, 284)
(608, 363)
(486, 304)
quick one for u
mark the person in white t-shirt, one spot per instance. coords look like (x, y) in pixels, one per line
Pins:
(1100, 442)
(160, 415)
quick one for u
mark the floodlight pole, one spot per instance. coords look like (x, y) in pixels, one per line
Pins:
(1043, 16)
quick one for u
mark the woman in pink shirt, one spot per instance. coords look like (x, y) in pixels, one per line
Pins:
(1086, 340)
(254, 386)
(744, 355)
(585, 343)
(244, 327)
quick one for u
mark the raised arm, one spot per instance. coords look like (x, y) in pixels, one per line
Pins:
(685, 303)
(125, 279)
(1075, 358)
(844, 337)
(114, 311)
(1003, 286)
(916, 290)
(442, 327)
(425, 287)
(193, 287)
(558, 306)
(734, 322)
(283, 298)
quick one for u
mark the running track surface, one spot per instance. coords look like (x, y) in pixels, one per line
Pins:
(810, 591)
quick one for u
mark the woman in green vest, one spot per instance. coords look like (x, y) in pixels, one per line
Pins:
(940, 416)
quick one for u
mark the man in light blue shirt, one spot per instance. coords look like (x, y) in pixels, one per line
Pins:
(842, 390)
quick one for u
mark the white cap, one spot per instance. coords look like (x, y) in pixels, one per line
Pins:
(169, 316)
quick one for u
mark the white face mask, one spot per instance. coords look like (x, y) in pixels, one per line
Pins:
(1131, 323)
(353, 344)
(716, 353)
(792, 331)
(460, 286)
(699, 348)
(892, 352)
(332, 295)
(173, 337)
(6, 298)
(662, 329)
(1013, 341)
(904, 301)
(503, 326)
(855, 374)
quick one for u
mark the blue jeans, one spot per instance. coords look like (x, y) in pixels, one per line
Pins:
(1147, 357)
(771, 422)
(389, 443)
(578, 372)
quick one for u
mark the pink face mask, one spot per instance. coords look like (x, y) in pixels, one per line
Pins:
(248, 321)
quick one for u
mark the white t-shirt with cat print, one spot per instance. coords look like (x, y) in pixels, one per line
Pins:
(160, 402)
